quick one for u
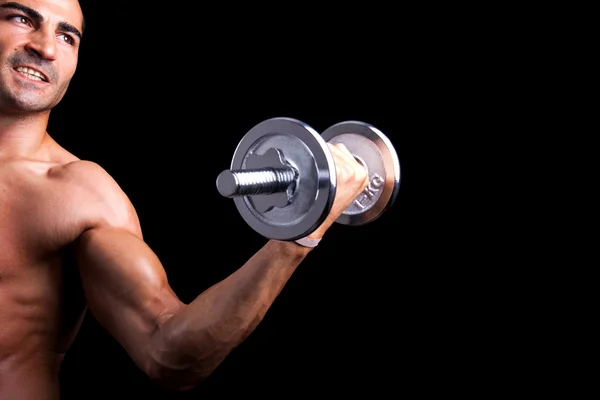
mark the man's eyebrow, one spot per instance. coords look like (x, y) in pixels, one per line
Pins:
(33, 14)
(65, 26)
(29, 11)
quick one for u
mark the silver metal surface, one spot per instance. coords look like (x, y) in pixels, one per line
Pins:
(375, 151)
(283, 184)
(307, 153)
(269, 179)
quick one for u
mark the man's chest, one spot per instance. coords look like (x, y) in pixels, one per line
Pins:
(36, 216)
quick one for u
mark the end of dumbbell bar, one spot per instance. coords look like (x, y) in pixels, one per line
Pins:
(227, 184)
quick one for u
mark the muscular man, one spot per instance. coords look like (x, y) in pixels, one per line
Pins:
(70, 238)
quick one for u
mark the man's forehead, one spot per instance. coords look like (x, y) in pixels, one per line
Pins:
(65, 10)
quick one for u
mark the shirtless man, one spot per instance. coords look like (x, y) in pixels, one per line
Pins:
(70, 238)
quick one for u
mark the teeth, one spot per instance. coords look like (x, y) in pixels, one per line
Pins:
(31, 73)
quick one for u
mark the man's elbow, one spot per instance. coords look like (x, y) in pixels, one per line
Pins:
(179, 359)
(174, 363)
(176, 379)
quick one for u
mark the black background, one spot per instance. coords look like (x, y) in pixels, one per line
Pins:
(423, 301)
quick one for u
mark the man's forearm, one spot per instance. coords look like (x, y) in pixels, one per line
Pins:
(192, 342)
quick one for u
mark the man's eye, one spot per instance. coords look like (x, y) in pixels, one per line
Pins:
(67, 38)
(21, 19)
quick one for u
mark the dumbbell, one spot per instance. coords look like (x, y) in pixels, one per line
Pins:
(282, 176)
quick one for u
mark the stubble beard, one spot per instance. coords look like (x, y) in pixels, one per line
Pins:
(27, 99)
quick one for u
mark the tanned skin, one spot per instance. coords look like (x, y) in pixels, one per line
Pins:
(70, 238)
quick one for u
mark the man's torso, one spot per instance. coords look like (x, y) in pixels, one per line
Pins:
(41, 302)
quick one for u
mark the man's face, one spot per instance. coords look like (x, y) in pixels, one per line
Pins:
(39, 46)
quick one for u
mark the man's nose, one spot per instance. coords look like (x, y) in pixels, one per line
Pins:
(43, 43)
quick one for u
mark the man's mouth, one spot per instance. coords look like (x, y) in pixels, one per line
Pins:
(32, 74)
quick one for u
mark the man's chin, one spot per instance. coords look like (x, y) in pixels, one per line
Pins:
(25, 106)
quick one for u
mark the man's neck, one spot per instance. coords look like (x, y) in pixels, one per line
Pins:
(22, 136)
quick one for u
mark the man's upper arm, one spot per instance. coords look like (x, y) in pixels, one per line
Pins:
(124, 282)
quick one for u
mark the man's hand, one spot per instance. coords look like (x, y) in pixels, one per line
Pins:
(352, 179)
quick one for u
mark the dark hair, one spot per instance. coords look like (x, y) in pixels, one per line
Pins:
(82, 16)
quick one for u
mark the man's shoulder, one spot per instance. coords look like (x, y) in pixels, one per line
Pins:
(90, 183)
(85, 174)
(79, 169)
(93, 188)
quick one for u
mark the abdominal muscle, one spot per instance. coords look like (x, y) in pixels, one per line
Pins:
(40, 314)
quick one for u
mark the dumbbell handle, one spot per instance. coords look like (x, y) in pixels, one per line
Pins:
(249, 182)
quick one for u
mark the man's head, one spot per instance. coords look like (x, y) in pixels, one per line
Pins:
(39, 49)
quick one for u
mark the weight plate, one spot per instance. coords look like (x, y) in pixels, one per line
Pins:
(375, 151)
(306, 151)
